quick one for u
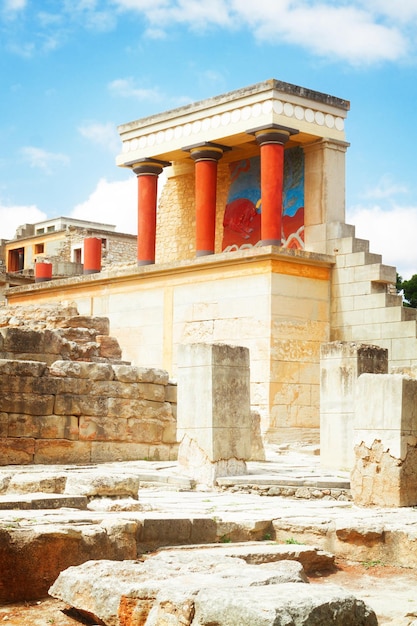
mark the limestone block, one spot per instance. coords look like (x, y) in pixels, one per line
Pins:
(104, 451)
(98, 483)
(257, 446)
(171, 393)
(213, 382)
(117, 389)
(29, 404)
(4, 424)
(132, 374)
(17, 451)
(99, 324)
(33, 558)
(29, 384)
(22, 368)
(73, 386)
(207, 587)
(109, 347)
(99, 428)
(92, 371)
(33, 482)
(144, 430)
(340, 366)
(61, 451)
(43, 426)
(122, 407)
(385, 436)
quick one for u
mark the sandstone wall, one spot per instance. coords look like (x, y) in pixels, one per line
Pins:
(79, 412)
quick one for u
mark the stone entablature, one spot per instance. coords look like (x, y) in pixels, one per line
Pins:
(228, 117)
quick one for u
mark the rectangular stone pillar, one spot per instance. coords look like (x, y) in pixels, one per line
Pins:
(341, 363)
(385, 438)
(213, 411)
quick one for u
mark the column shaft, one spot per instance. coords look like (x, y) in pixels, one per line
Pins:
(147, 172)
(272, 180)
(147, 195)
(271, 140)
(205, 200)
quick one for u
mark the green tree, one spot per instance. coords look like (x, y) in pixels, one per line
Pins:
(409, 289)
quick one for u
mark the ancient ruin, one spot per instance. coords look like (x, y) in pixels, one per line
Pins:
(253, 325)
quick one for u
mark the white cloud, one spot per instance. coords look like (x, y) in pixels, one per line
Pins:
(126, 88)
(13, 216)
(111, 203)
(104, 135)
(391, 233)
(360, 31)
(385, 188)
(42, 159)
(13, 6)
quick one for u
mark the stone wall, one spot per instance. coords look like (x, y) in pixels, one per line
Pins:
(78, 412)
(175, 239)
(66, 397)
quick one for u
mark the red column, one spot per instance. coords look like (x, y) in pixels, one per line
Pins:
(92, 255)
(43, 272)
(271, 141)
(147, 173)
(206, 157)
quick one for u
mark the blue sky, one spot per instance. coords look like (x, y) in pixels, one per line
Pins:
(71, 71)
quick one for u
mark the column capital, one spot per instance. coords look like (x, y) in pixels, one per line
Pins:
(148, 166)
(206, 151)
(272, 133)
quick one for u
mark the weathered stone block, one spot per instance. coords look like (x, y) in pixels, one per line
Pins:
(17, 451)
(4, 424)
(22, 368)
(77, 369)
(144, 430)
(100, 484)
(214, 380)
(98, 428)
(27, 403)
(121, 407)
(103, 451)
(385, 437)
(341, 365)
(62, 451)
(129, 373)
(109, 347)
(100, 324)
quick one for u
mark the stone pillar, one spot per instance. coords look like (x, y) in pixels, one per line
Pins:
(341, 363)
(324, 192)
(271, 140)
(147, 172)
(92, 255)
(385, 439)
(213, 411)
(205, 157)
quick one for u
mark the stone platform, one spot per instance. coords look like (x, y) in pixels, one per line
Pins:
(115, 522)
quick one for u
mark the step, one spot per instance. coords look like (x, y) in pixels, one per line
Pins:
(39, 501)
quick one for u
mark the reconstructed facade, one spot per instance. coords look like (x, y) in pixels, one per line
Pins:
(248, 246)
(60, 242)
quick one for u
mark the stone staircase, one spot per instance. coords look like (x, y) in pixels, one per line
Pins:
(365, 306)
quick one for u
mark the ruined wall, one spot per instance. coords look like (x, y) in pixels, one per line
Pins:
(84, 413)
(66, 397)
